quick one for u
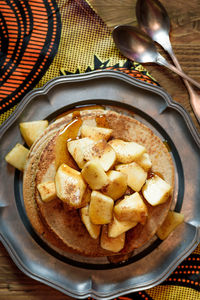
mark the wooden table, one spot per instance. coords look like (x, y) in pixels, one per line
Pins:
(185, 37)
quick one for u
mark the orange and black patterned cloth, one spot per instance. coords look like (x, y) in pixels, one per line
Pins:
(43, 39)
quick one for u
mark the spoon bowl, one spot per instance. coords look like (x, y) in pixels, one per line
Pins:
(138, 46)
(135, 44)
(153, 19)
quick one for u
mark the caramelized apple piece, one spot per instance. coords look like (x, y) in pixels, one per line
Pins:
(117, 185)
(156, 190)
(17, 157)
(96, 133)
(47, 190)
(94, 175)
(103, 153)
(144, 161)
(136, 175)
(70, 186)
(172, 220)
(93, 229)
(112, 244)
(32, 130)
(78, 150)
(131, 208)
(126, 152)
(116, 227)
(101, 208)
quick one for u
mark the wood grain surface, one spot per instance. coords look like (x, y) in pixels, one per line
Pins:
(185, 37)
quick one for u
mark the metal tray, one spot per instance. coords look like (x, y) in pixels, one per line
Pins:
(76, 276)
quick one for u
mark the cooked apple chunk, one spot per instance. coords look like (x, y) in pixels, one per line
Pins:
(94, 175)
(79, 148)
(112, 244)
(116, 227)
(86, 196)
(156, 190)
(103, 153)
(96, 133)
(172, 220)
(47, 190)
(131, 208)
(117, 185)
(17, 157)
(93, 229)
(107, 157)
(135, 174)
(32, 130)
(126, 151)
(70, 186)
(101, 208)
(144, 161)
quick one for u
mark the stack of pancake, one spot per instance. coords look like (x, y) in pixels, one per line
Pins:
(61, 226)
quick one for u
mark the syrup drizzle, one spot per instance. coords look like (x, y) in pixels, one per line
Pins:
(101, 121)
(70, 132)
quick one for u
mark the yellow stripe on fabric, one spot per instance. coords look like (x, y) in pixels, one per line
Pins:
(168, 292)
(5, 115)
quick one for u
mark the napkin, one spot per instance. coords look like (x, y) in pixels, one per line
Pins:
(43, 39)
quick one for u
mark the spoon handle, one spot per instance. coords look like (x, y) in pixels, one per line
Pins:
(162, 61)
(166, 44)
(194, 97)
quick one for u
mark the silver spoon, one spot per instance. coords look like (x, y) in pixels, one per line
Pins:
(138, 46)
(154, 20)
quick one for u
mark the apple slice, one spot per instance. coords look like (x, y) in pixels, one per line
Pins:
(32, 130)
(79, 149)
(136, 175)
(172, 220)
(17, 157)
(131, 208)
(94, 175)
(93, 229)
(47, 190)
(101, 208)
(112, 244)
(117, 185)
(126, 151)
(116, 227)
(70, 186)
(96, 133)
(156, 190)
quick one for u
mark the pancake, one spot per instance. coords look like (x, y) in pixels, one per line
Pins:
(61, 226)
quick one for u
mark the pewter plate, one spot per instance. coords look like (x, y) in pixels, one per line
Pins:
(74, 275)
